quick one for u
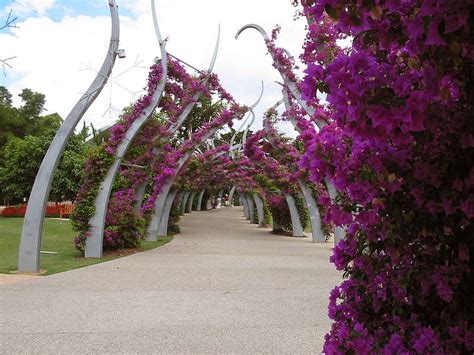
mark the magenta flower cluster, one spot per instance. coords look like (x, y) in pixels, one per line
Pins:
(399, 150)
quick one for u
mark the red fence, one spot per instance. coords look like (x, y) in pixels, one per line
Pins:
(19, 211)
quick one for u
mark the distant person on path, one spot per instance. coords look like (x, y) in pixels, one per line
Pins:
(219, 205)
(227, 202)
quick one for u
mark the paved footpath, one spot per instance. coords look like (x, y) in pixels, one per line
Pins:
(221, 286)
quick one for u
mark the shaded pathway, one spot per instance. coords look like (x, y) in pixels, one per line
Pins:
(222, 285)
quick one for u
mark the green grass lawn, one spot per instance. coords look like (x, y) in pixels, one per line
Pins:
(57, 237)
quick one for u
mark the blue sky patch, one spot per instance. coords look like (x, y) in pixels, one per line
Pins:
(60, 10)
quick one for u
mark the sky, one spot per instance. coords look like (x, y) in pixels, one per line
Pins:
(59, 45)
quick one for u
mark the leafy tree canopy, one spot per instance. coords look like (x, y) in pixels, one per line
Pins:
(25, 135)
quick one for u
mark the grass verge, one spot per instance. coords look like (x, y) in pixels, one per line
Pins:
(58, 238)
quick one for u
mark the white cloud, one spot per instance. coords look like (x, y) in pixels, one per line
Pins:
(51, 56)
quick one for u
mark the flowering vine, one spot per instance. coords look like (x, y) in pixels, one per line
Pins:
(400, 151)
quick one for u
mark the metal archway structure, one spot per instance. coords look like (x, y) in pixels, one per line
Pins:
(94, 243)
(30, 244)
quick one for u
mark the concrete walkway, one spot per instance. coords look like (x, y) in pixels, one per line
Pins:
(221, 286)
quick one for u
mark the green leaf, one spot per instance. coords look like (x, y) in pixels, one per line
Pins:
(331, 12)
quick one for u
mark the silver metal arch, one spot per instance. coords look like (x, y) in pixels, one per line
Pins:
(260, 210)
(245, 203)
(286, 100)
(244, 137)
(289, 83)
(156, 26)
(167, 209)
(251, 114)
(216, 50)
(251, 107)
(255, 27)
(140, 192)
(187, 110)
(30, 244)
(158, 217)
(199, 201)
(189, 206)
(231, 195)
(297, 228)
(315, 217)
(244, 123)
(251, 207)
(94, 242)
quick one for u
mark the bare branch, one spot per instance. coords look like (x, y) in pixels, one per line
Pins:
(5, 64)
(9, 23)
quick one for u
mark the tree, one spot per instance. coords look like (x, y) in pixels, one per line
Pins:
(22, 158)
(43, 124)
(225, 138)
(25, 136)
(5, 96)
(67, 179)
(21, 162)
(199, 115)
(11, 122)
(33, 104)
(25, 120)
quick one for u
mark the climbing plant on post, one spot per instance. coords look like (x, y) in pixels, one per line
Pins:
(401, 148)
(284, 63)
(177, 159)
(288, 155)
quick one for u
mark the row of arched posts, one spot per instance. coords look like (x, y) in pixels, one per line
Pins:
(152, 174)
(252, 203)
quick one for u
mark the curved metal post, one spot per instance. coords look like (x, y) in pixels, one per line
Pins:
(154, 223)
(260, 211)
(184, 203)
(286, 101)
(231, 195)
(163, 228)
(139, 195)
(292, 86)
(297, 228)
(244, 123)
(339, 232)
(251, 208)
(199, 203)
(187, 110)
(189, 207)
(314, 216)
(94, 242)
(30, 243)
(245, 203)
(152, 230)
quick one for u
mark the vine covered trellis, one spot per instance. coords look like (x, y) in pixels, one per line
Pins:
(383, 165)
